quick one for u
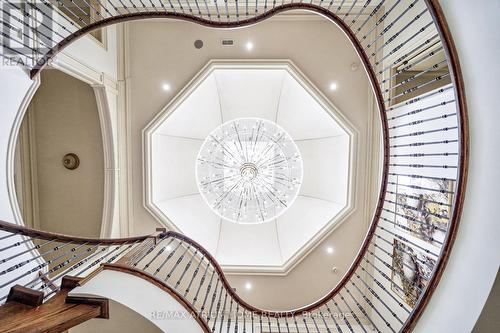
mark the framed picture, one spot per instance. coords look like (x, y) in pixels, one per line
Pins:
(412, 270)
(424, 215)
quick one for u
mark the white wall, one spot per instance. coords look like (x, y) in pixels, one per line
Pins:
(99, 57)
(142, 297)
(14, 87)
(471, 271)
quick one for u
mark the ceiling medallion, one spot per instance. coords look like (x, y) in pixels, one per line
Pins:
(249, 170)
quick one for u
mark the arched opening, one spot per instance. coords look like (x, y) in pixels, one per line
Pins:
(59, 159)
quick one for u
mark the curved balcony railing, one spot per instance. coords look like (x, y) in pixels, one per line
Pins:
(39, 260)
(411, 62)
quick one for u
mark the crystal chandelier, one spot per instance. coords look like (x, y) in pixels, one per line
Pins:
(249, 170)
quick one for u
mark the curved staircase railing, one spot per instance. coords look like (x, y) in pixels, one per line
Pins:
(409, 57)
(39, 260)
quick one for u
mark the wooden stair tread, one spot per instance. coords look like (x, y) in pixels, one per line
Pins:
(55, 315)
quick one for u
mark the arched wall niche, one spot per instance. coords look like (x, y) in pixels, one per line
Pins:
(23, 162)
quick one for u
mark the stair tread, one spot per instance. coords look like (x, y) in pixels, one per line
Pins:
(55, 315)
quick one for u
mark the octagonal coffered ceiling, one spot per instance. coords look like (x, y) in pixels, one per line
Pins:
(275, 91)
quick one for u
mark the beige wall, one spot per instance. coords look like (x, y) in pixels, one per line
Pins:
(488, 320)
(121, 320)
(63, 117)
(163, 51)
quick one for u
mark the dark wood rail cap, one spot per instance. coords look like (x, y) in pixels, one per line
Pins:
(456, 75)
(160, 284)
(103, 303)
(234, 295)
(247, 22)
(70, 282)
(25, 296)
(17, 229)
(55, 315)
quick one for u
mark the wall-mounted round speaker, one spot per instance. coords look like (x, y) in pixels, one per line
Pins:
(71, 161)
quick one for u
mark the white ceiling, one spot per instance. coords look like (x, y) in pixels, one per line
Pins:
(276, 92)
(249, 93)
(272, 94)
(201, 112)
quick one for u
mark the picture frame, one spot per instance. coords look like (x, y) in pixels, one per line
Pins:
(423, 215)
(412, 270)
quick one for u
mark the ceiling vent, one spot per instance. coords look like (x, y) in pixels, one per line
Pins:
(227, 42)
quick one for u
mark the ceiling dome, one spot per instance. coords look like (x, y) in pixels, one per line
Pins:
(217, 115)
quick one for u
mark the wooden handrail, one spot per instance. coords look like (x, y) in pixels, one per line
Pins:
(160, 284)
(232, 293)
(246, 22)
(463, 140)
(17, 229)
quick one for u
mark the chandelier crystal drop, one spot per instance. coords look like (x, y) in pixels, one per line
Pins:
(249, 170)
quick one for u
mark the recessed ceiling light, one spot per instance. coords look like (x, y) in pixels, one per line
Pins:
(165, 87)
(249, 46)
(329, 250)
(333, 86)
(168, 248)
(248, 286)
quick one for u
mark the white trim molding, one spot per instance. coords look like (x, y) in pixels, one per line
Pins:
(26, 182)
(11, 152)
(111, 171)
(11, 156)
